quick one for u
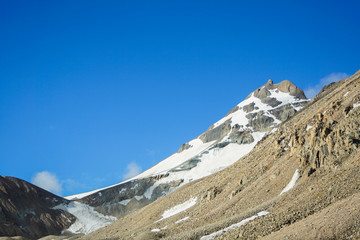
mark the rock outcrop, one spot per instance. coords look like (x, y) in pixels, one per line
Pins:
(328, 140)
(285, 86)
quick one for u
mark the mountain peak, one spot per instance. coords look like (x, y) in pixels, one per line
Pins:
(269, 82)
(285, 86)
(288, 87)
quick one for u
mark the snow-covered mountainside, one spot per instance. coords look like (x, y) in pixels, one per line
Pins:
(221, 145)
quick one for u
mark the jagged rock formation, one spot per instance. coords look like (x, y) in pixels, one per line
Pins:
(314, 156)
(26, 210)
(285, 86)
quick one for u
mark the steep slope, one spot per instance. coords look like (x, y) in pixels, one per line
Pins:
(220, 146)
(289, 187)
(27, 210)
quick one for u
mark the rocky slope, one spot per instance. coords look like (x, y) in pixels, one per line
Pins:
(301, 182)
(220, 146)
(27, 210)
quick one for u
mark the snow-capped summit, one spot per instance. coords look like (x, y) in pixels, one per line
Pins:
(221, 145)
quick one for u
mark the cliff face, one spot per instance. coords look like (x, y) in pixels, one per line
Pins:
(301, 182)
(26, 210)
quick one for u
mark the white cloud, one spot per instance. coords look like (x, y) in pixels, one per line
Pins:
(47, 181)
(333, 77)
(132, 170)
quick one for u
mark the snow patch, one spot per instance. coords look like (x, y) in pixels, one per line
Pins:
(158, 230)
(308, 127)
(273, 130)
(292, 182)
(182, 220)
(87, 219)
(125, 202)
(346, 94)
(356, 105)
(236, 225)
(139, 197)
(178, 209)
(150, 190)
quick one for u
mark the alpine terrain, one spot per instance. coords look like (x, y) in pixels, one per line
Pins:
(277, 166)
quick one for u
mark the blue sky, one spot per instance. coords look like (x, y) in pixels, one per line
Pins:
(92, 92)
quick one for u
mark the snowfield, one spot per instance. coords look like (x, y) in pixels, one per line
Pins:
(178, 209)
(182, 220)
(88, 220)
(292, 182)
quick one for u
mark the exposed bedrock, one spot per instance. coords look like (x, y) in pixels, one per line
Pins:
(125, 198)
(283, 113)
(259, 121)
(216, 133)
(183, 147)
(285, 86)
(241, 137)
(249, 108)
(328, 142)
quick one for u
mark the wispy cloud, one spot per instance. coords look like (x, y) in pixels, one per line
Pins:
(333, 77)
(132, 169)
(47, 181)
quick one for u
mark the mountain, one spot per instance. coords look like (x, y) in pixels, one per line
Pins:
(31, 212)
(277, 166)
(221, 145)
(300, 182)
(27, 210)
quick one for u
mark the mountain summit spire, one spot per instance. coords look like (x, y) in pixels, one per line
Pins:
(285, 86)
(269, 82)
